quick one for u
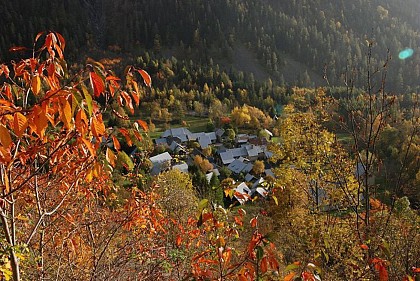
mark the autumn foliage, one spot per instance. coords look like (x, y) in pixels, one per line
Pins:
(73, 206)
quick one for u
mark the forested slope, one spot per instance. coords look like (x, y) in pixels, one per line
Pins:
(318, 34)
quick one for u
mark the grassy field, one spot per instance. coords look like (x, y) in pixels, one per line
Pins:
(194, 124)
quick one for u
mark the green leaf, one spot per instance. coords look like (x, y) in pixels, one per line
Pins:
(260, 252)
(291, 267)
(203, 203)
(88, 99)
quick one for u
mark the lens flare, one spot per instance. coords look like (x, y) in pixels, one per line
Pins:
(405, 54)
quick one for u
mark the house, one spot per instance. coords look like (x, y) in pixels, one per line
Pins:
(177, 148)
(183, 134)
(227, 157)
(160, 162)
(237, 166)
(183, 167)
(242, 193)
(259, 191)
(220, 134)
(249, 177)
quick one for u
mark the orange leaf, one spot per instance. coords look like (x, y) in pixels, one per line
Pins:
(20, 123)
(242, 277)
(81, 121)
(125, 133)
(143, 124)
(40, 120)
(7, 92)
(117, 145)
(289, 277)
(36, 84)
(97, 126)
(89, 146)
(97, 84)
(136, 98)
(5, 138)
(146, 77)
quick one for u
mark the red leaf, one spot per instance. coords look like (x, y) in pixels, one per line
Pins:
(264, 265)
(307, 276)
(97, 84)
(364, 247)
(146, 77)
(178, 240)
(253, 222)
(61, 40)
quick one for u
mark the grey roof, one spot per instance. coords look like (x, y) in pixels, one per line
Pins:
(183, 167)
(212, 136)
(161, 158)
(227, 157)
(182, 133)
(249, 177)
(220, 132)
(268, 154)
(248, 168)
(237, 166)
(155, 170)
(161, 141)
(258, 183)
(240, 151)
(204, 141)
(270, 173)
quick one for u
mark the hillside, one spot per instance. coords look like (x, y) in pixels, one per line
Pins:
(265, 37)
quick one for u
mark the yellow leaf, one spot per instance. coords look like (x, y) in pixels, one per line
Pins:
(97, 126)
(36, 84)
(65, 112)
(5, 138)
(89, 176)
(110, 157)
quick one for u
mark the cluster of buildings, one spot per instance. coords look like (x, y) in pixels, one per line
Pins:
(238, 156)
